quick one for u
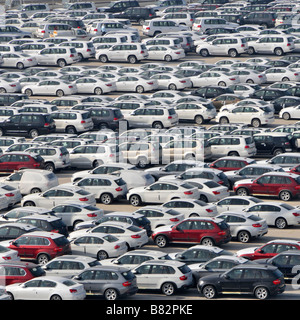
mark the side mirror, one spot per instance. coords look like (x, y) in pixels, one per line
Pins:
(115, 262)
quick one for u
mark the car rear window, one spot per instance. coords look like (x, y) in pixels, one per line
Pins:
(134, 228)
(184, 269)
(142, 221)
(51, 176)
(83, 192)
(61, 241)
(38, 158)
(211, 184)
(128, 275)
(222, 225)
(37, 271)
(69, 283)
(120, 182)
(254, 217)
(249, 140)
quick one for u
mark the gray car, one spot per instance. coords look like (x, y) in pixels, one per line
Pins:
(110, 281)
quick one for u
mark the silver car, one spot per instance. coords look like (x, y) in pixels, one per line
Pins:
(109, 281)
(244, 226)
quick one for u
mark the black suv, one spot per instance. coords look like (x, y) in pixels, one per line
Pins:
(7, 99)
(137, 14)
(262, 18)
(120, 6)
(105, 117)
(272, 143)
(211, 92)
(260, 281)
(268, 94)
(25, 124)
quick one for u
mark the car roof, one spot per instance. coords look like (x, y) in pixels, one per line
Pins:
(127, 214)
(44, 234)
(76, 257)
(22, 225)
(41, 217)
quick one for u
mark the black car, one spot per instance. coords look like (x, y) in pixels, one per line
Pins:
(7, 99)
(119, 6)
(25, 124)
(258, 280)
(284, 102)
(285, 262)
(262, 18)
(210, 92)
(137, 14)
(277, 63)
(294, 91)
(12, 230)
(106, 117)
(272, 143)
(269, 94)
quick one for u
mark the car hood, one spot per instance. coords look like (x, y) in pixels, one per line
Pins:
(162, 229)
(137, 190)
(246, 251)
(168, 177)
(230, 173)
(245, 181)
(195, 266)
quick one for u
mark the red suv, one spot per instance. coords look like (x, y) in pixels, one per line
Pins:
(231, 163)
(9, 162)
(269, 250)
(283, 185)
(295, 170)
(41, 246)
(206, 231)
(19, 272)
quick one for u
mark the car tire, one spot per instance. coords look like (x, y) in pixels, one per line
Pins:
(251, 51)
(11, 296)
(209, 291)
(111, 294)
(60, 93)
(106, 198)
(244, 236)
(203, 198)
(222, 84)
(233, 154)
(132, 59)
(256, 123)
(199, 119)
(28, 92)
(223, 120)
(56, 297)
(141, 21)
(61, 63)
(204, 53)
(35, 190)
(285, 195)
(242, 192)
(29, 204)
(142, 162)
(168, 58)
(101, 255)
(161, 241)
(261, 293)
(20, 66)
(42, 259)
(277, 151)
(49, 166)
(286, 116)
(103, 58)
(157, 125)
(33, 133)
(233, 53)
(278, 51)
(206, 241)
(3, 90)
(139, 89)
(98, 91)
(168, 288)
(285, 79)
(172, 86)
(135, 200)
(71, 130)
(280, 223)
(250, 81)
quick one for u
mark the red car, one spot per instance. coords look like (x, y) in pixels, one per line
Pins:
(269, 250)
(41, 246)
(231, 163)
(296, 169)
(283, 185)
(9, 162)
(19, 272)
(206, 231)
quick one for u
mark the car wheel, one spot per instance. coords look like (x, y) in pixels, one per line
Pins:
(250, 81)
(243, 236)
(106, 198)
(280, 223)
(35, 190)
(278, 52)
(29, 204)
(56, 297)
(161, 241)
(233, 154)
(168, 288)
(42, 259)
(261, 293)
(203, 198)
(199, 120)
(29, 92)
(61, 63)
(111, 294)
(285, 79)
(11, 296)
(251, 51)
(2, 90)
(232, 53)
(140, 89)
(157, 125)
(1, 132)
(60, 93)
(135, 200)
(286, 116)
(285, 195)
(98, 91)
(132, 59)
(222, 84)
(71, 130)
(193, 215)
(142, 162)
(141, 21)
(168, 58)
(101, 255)
(172, 86)
(103, 58)
(33, 133)
(242, 192)
(255, 123)
(20, 65)
(49, 166)
(207, 242)
(80, 57)
(224, 120)
(204, 53)
(209, 292)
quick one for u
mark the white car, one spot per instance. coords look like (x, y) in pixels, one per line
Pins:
(252, 115)
(213, 78)
(8, 254)
(3, 294)
(279, 215)
(236, 203)
(13, 195)
(47, 288)
(73, 213)
(165, 53)
(161, 191)
(133, 236)
(249, 76)
(153, 27)
(96, 86)
(9, 86)
(159, 216)
(105, 187)
(18, 60)
(290, 113)
(171, 81)
(192, 208)
(281, 74)
(98, 245)
(58, 195)
(134, 83)
(50, 88)
(85, 49)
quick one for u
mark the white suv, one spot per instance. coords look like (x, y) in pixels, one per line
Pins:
(57, 56)
(72, 121)
(155, 26)
(272, 44)
(202, 24)
(85, 49)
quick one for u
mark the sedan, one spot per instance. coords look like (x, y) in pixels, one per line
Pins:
(58, 195)
(249, 76)
(171, 81)
(281, 74)
(160, 192)
(290, 113)
(165, 53)
(8, 254)
(236, 203)
(50, 87)
(279, 215)
(96, 86)
(47, 288)
(214, 78)
(137, 84)
(18, 60)
(9, 86)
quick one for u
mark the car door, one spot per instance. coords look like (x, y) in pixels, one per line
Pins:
(47, 199)
(181, 232)
(262, 185)
(30, 290)
(152, 193)
(230, 281)
(143, 276)
(44, 57)
(87, 279)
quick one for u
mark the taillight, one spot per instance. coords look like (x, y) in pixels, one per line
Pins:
(169, 117)
(209, 210)
(108, 84)
(199, 25)
(70, 87)
(92, 215)
(29, 59)
(83, 199)
(232, 79)
(151, 83)
(9, 194)
(242, 45)
(256, 225)
(88, 50)
(260, 76)
(82, 121)
(142, 51)
(73, 290)
(6, 258)
(58, 249)
(55, 231)
(46, 124)
(115, 119)
(222, 233)
(12, 85)
(148, 28)
(188, 192)
(247, 147)
(177, 52)
(288, 44)
(126, 284)
(36, 164)
(184, 277)
(295, 74)
(150, 14)
(216, 192)
(96, 30)
(182, 81)
(296, 214)
(71, 55)
(277, 281)
(135, 236)
(174, 219)
(43, 31)
(119, 189)
(111, 155)
(116, 247)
